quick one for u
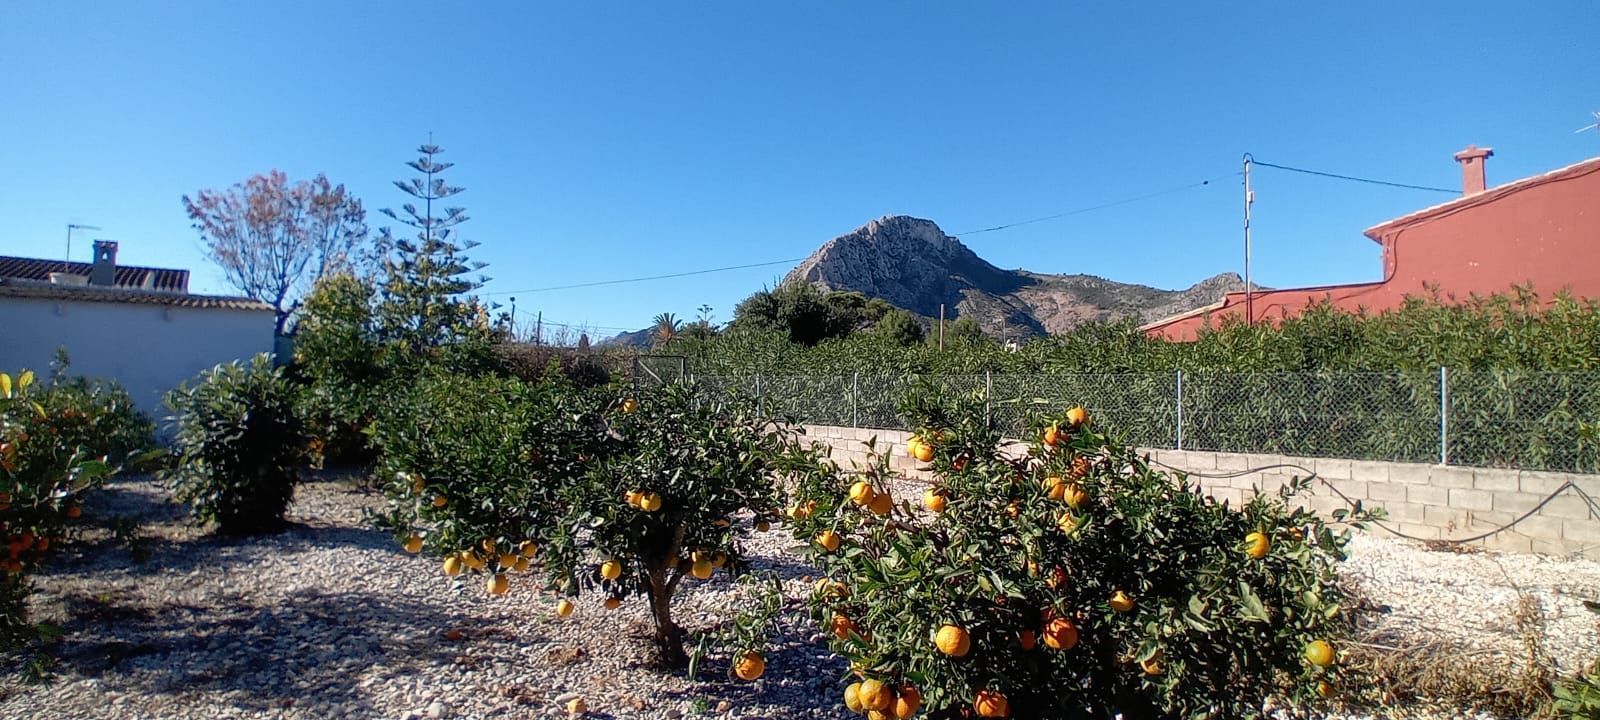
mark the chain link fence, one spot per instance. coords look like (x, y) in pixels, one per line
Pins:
(1490, 418)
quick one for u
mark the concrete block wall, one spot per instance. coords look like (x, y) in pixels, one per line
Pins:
(1430, 502)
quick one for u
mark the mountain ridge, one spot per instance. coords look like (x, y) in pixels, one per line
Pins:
(912, 264)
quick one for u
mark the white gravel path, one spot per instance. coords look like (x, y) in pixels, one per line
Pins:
(331, 620)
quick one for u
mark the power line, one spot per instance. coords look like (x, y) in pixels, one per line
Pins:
(1352, 178)
(1092, 208)
(598, 283)
(1068, 213)
(1078, 211)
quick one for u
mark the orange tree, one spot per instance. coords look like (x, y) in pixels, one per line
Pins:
(52, 450)
(620, 493)
(1067, 580)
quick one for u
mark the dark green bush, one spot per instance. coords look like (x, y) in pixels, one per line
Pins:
(239, 444)
(47, 462)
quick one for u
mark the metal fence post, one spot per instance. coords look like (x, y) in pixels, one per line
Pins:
(1179, 423)
(761, 410)
(988, 398)
(1444, 415)
(855, 382)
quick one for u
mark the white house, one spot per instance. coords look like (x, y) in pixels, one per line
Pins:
(138, 326)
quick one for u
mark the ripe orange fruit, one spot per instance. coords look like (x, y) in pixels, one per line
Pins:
(452, 565)
(650, 502)
(417, 485)
(934, 501)
(911, 446)
(630, 406)
(991, 704)
(1081, 467)
(923, 453)
(803, 510)
(763, 526)
(1052, 436)
(882, 503)
(1056, 487)
(1028, 639)
(564, 608)
(632, 497)
(509, 560)
(612, 603)
(498, 584)
(1013, 509)
(611, 569)
(953, 641)
(472, 560)
(1152, 666)
(1319, 653)
(1120, 602)
(1078, 417)
(862, 493)
(528, 548)
(1067, 522)
(875, 695)
(577, 706)
(521, 565)
(701, 569)
(488, 546)
(1074, 496)
(907, 702)
(829, 540)
(1257, 544)
(1324, 689)
(852, 698)
(440, 501)
(749, 666)
(413, 544)
(1060, 634)
(842, 626)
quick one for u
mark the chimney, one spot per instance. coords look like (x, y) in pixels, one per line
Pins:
(104, 270)
(1472, 159)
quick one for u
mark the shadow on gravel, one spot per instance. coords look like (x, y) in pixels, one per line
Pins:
(305, 652)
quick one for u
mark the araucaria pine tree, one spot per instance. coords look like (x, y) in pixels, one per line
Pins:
(425, 278)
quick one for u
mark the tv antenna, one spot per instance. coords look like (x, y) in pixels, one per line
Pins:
(1591, 126)
(66, 265)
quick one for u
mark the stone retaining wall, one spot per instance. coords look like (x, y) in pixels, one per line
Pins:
(1431, 502)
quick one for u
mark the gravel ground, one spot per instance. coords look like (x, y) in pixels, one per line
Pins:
(330, 619)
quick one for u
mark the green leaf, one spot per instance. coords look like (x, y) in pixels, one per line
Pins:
(1250, 606)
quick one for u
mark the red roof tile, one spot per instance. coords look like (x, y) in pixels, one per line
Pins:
(10, 287)
(128, 276)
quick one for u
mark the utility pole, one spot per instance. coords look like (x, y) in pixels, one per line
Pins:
(538, 330)
(513, 329)
(1249, 199)
(66, 264)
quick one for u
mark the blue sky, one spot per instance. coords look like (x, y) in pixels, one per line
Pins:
(603, 140)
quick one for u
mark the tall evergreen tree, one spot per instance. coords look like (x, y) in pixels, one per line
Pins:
(424, 279)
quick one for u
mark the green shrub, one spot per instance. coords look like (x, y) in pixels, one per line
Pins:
(45, 468)
(239, 445)
(1073, 581)
(339, 369)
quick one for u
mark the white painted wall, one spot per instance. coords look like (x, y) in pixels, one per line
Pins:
(147, 348)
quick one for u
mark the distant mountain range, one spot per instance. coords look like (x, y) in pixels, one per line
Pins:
(912, 264)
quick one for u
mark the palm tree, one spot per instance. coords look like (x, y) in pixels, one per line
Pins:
(666, 329)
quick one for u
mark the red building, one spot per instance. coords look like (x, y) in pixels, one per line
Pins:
(1543, 230)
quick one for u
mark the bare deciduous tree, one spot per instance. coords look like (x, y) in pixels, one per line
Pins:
(274, 240)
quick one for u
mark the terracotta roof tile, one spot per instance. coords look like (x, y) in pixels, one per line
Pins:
(128, 276)
(10, 287)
